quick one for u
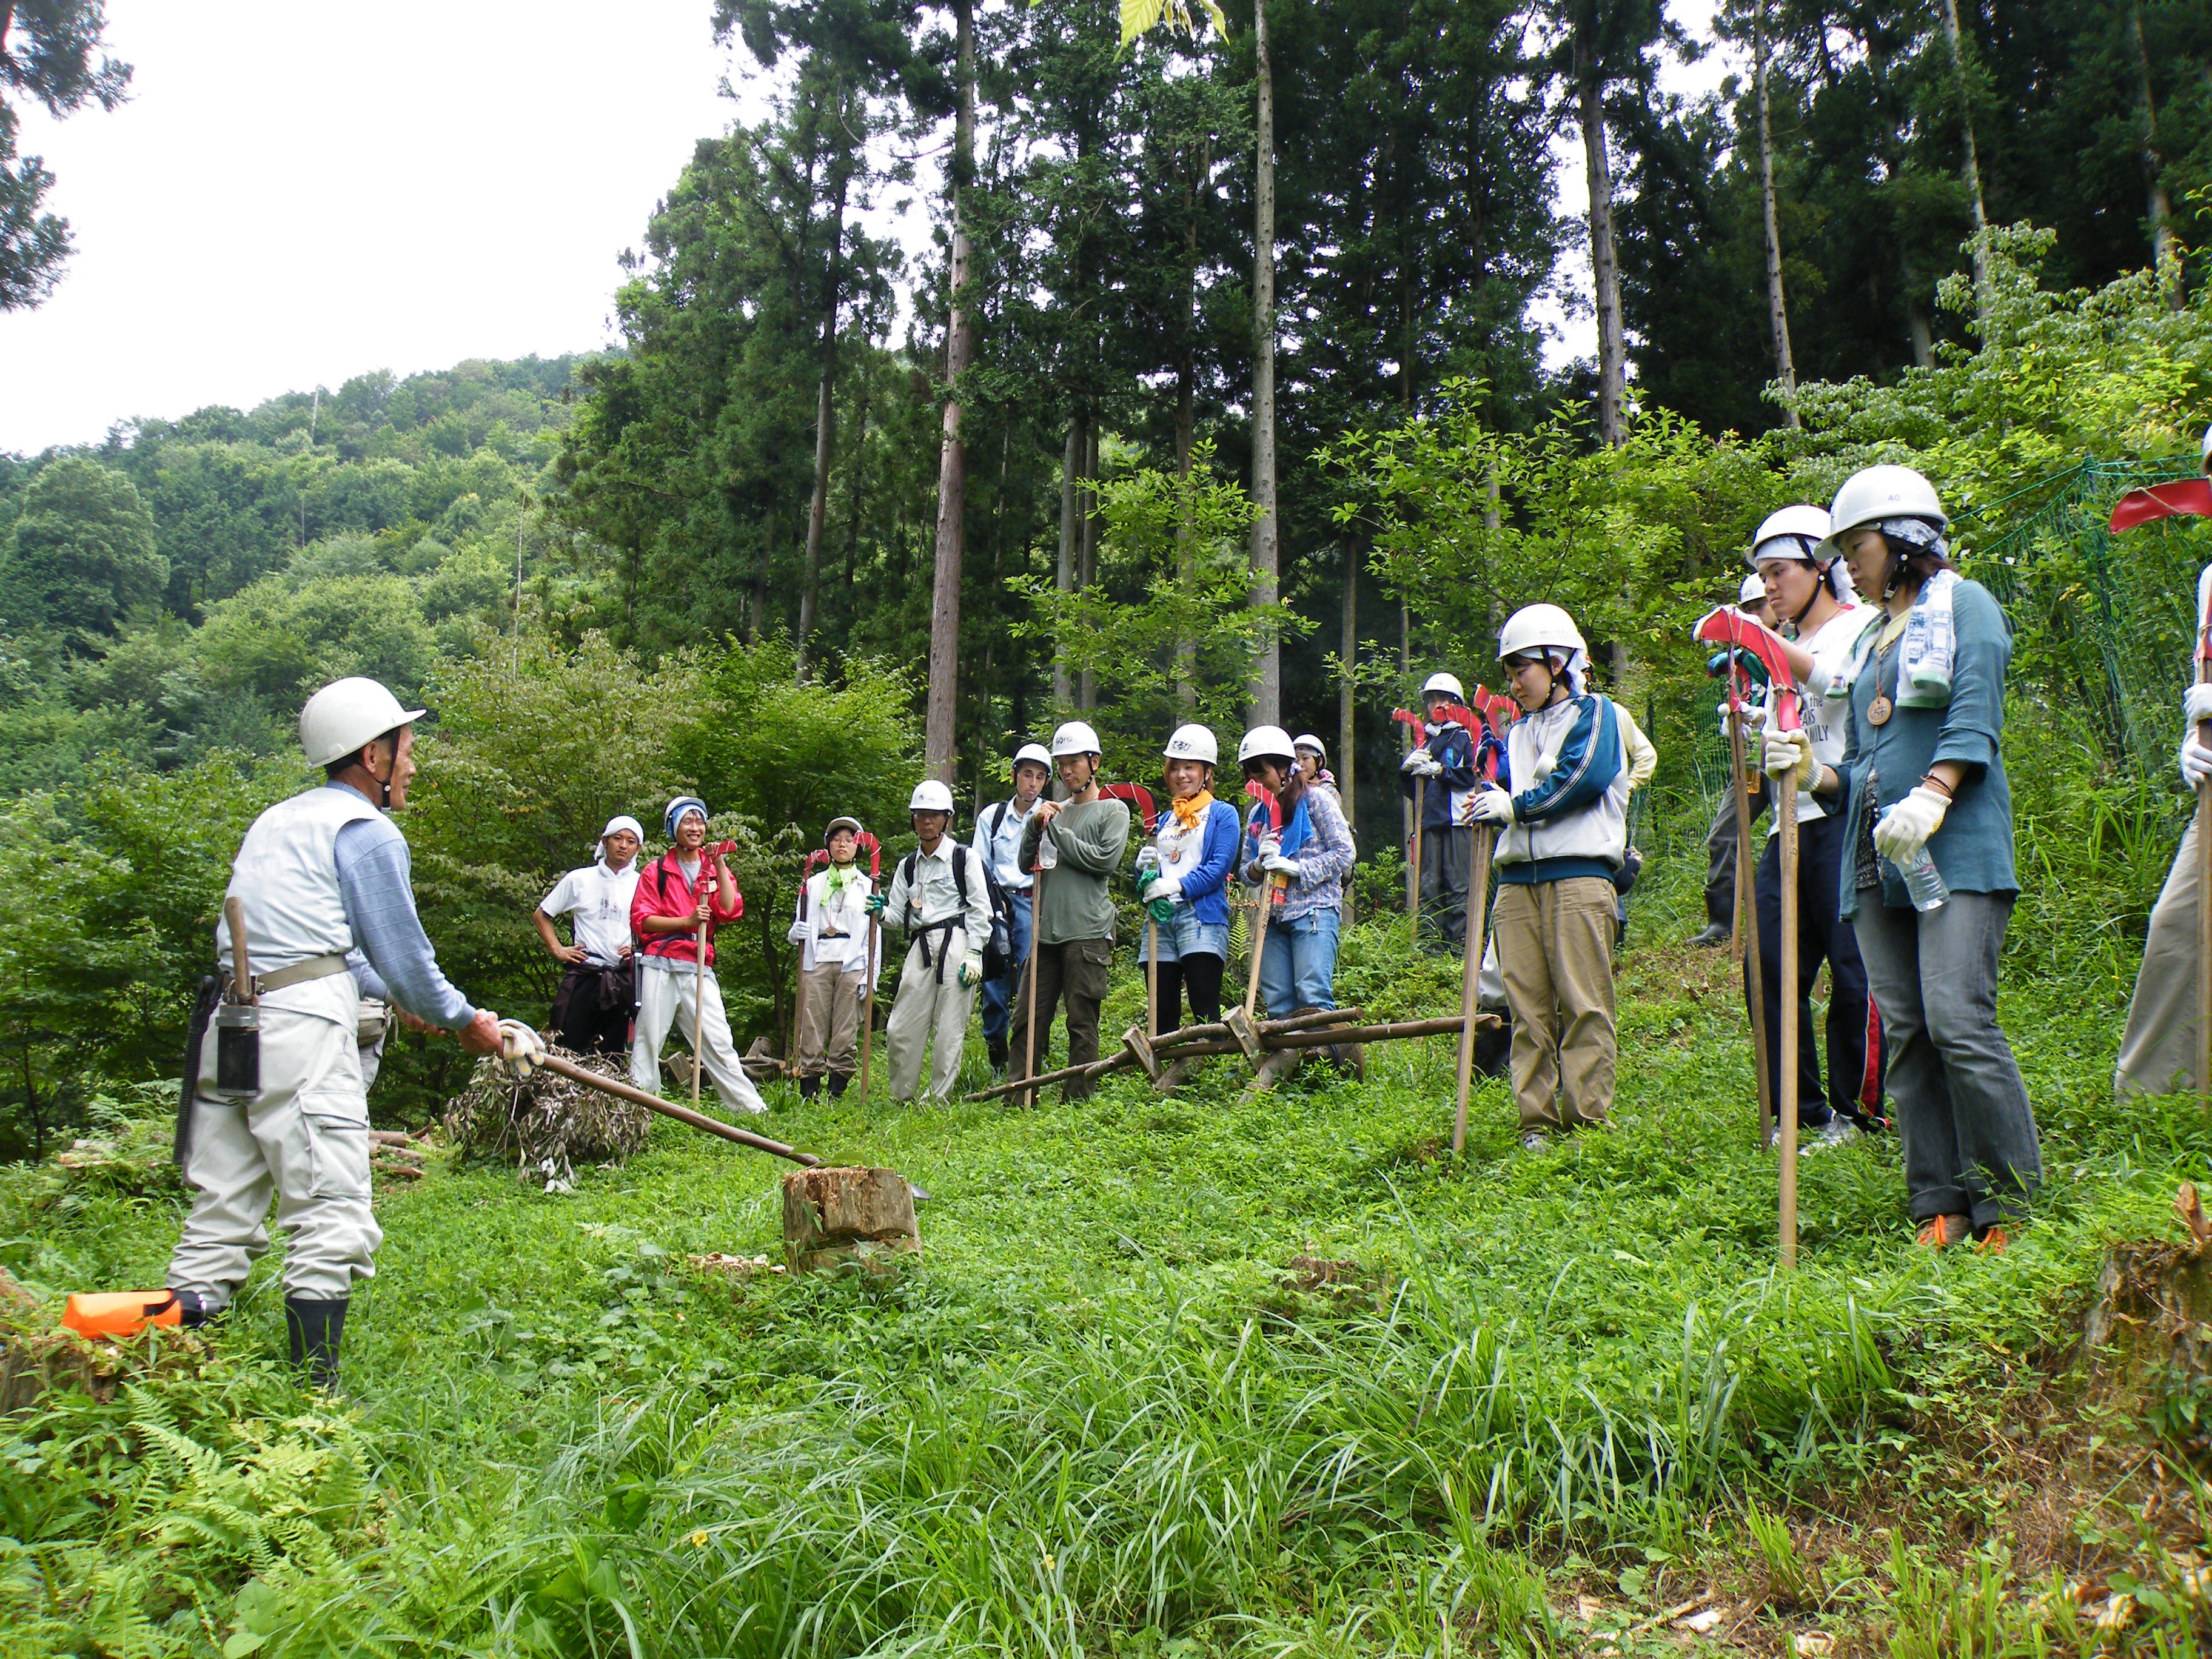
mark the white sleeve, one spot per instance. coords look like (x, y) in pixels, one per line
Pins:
(562, 898)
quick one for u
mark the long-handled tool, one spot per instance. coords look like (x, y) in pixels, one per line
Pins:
(875, 850)
(1488, 764)
(713, 1125)
(1029, 977)
(1271, 893)
(1725, 626)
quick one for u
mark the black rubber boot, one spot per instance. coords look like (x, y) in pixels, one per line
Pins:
(809, 1087)
(315, 1326)
(192, 1312)
(997, 1049)
(838, 1082)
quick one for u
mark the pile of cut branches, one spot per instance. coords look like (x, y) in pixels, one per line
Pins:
(549, 1124)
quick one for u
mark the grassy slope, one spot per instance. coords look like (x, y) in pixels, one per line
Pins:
(1105, 1420)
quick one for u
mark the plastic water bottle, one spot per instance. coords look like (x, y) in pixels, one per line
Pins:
(1923, 882)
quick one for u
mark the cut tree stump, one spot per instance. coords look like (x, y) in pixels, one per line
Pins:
(848, 1217)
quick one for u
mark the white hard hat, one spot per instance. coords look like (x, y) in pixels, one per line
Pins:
(1035, 752)
(1194, 743)
(836, 825)
(1265, 742)
(347, 714)
(930, 796)
(1795, 533)
(1875, 493)
(1076, 737)
(1307, 741)
(1448, 683)
(1752, 591)
(1534, 626)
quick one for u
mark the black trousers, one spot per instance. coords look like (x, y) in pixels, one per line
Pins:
(1447, 859)
(1198, 974)
(1854, 1028)
(1720, 853)
(592, 1010)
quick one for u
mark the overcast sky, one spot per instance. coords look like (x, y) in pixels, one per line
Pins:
(300, 192)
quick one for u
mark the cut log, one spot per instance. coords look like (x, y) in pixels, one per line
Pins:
(848, 1217)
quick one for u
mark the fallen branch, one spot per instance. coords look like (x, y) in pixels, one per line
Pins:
(1169, 1041)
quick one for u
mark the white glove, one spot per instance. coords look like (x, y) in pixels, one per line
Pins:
(1164, 887)
(1148, 859)
(2197, 704)
(1415, 760)
(1429, 767)
(2195, 760)
(970, 971)
(1270, 843)
(1490, 805)
(1289, 868)
(797, 931)
(520, 1050)
(1792, 751)
(1906, 827)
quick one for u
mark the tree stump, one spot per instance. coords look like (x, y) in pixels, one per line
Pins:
(848, 1217)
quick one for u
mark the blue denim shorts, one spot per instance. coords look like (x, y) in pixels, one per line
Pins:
(1184, 935)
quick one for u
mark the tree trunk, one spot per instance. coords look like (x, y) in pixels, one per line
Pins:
(1087, 551)
(1785, 371)
(1063, 574)
(1267, 675)
(1971, 168)
(825, 429)
(1604, 257)
(1186, 648)
(2164, 255)
(1347, 654)
(940, 757)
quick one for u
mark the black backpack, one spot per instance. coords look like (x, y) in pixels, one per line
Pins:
(998, 946)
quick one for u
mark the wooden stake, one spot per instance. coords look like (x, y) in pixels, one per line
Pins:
(1260, 943)
(1414, 882)
(2204, 895)
(1746, 913)
(699, 981)
(1786, 808)
(1029, 983)
(868, 1020)
(1478, 915)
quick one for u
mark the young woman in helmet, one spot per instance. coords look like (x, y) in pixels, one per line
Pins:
(1309, 855)
(1184, 878)
(1925, 763)
(1076, 844)
(1821, 618)
(1562, 833)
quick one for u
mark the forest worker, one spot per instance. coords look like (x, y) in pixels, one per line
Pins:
(1310, 853)
(1312, 755)
(317, 876)
(592, 1009)
(685, 888)
(1720, 840)
(1926, 767)
(936, 893)
(1183, 877)
(1076, 843)
(1444, 764)
(999, 839)
(1822, 619)
(1563, 835)
(2158, 1051)
(831, 927)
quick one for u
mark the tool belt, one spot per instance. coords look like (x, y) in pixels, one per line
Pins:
(921, 937)
(298, 974)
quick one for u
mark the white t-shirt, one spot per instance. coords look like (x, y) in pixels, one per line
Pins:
(1825, 707)
(597, 900)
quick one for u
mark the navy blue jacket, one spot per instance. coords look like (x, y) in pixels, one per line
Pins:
(1453, 748)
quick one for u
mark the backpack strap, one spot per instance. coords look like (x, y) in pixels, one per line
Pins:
(960, 856)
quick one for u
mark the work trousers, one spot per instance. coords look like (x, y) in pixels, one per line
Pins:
(664, 999)
(998, 994)
(590, 1016)
(1197, 974)
(1962, 1111)
(1076, 970)
(932, 1011)
(2158, 1051)
(1555, 954)
(831, 995)
(1446, 858)
(1720, 852)
(303, 1141)
(1298, 962)
(1854, 1029)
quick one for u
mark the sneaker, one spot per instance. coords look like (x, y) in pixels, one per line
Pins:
(1993, 1242)
(1941, 1232)
(1714, 936)
(1773, 1136)
(1534, 1141)
(1838, 1131)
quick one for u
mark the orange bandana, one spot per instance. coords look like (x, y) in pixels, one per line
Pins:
(1191, 810)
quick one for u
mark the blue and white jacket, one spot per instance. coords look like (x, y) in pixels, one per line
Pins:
(1570, 815)
(1200, 862)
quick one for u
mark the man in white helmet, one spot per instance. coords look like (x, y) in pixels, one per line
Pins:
(317, 876)
(1563, 835)
(1810, 589)
(1076, 844)
(1444, 761)
(941, 899)
(829, 926)
(1720, 839)
(689, 886)
(999, 839)
(2158, 1051)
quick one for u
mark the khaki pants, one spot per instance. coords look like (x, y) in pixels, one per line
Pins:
(302, 1141)
(664, 999)
(2158, 1052)
(927, 1012)
(830, 998)
(1555, 953)
(1076, 969)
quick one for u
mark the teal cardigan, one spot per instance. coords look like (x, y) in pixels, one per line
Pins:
(1973, 849)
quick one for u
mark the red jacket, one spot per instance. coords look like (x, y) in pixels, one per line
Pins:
(663, 891)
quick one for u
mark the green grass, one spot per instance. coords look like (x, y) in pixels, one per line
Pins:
(1104, 1417)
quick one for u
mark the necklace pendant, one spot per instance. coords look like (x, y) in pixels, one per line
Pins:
(1879, 711)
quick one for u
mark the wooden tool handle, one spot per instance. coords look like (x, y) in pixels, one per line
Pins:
(241, 979)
